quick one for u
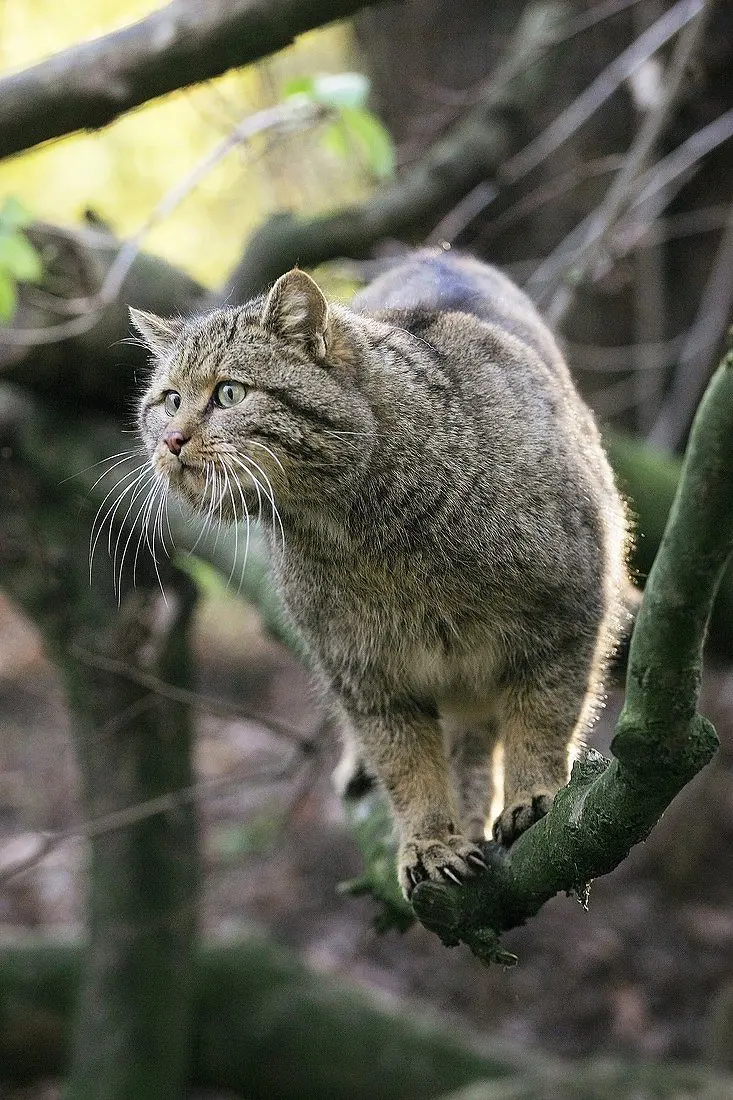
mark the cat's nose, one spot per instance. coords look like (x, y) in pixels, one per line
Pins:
(174, 440)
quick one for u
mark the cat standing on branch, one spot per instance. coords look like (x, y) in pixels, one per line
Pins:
(444, 527)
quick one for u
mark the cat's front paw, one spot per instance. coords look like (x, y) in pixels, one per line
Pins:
(516, 818)
(452, 859)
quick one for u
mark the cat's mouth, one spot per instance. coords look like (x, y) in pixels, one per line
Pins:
(176, 465)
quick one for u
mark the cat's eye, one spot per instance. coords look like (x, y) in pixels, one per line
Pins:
(172, 402)
(229, 393)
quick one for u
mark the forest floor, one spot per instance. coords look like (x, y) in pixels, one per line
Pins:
(646, 971)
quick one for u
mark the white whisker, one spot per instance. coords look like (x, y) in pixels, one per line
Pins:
(163, 490)
(163, 515)
(100, 520)
(145, 488)
(220, 520)
(246, 517)
(273, 456)
(270, 495)
(236, 521)
(203, 530)
(122, 456)
(145, 535)
(254, 481)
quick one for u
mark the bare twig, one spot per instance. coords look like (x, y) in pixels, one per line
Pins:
(598, 227)
(677, 164)
(640, 356)
(463, 213)
(176, 694)
(606, 83)
(549, 192)
(650, 302)
(703, 340)
(575, 115)
(628, 236)
(469, 97)
(153, 807)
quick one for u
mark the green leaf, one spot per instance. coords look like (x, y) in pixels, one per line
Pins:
(372, 139)
(336, 140)
(19, 258)
(299, 85)
(208, 580)
(8, 297)
(331, 89)
(13, 215)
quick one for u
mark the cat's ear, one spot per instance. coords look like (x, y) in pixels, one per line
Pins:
(159, 333)
(297, 310)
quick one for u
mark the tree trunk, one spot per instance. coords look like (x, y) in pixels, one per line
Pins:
(132, 1035)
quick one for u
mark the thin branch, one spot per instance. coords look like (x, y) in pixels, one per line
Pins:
(153, 807)
(89, 85)
(703, 339)
(685, 157)
(619, 197)
(606, 83)
(631, 236)
(641, 356)
(549, 192)
(463, 213)
(212, 703)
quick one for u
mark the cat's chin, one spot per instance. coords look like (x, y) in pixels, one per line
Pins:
(188, 484)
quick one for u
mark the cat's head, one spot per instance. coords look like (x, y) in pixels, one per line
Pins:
(255, 405)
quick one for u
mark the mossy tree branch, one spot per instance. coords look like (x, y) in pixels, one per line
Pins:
(661, 741)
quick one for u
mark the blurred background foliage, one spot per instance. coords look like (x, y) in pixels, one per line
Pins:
(646, 972)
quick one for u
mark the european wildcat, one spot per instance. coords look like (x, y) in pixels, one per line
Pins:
(452, 546)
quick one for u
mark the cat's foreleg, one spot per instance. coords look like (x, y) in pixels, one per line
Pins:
(403, 745)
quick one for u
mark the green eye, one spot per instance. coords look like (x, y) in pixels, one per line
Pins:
(172, 402)
(229, 393)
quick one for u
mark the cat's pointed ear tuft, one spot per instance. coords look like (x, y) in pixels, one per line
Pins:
(297, 310)
(158, 333)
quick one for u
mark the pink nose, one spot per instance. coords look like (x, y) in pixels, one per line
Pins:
(174, 440)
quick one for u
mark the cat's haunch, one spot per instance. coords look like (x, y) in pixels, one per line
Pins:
(444, 527)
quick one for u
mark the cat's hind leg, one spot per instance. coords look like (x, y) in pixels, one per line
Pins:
(351, 776)
(543, 721)
(471, 745)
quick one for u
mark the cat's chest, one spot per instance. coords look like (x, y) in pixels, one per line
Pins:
(350, 594)
(402, 612)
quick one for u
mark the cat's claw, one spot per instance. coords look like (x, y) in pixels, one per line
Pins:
(476, 861)
(454, 859)
(517, 818)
